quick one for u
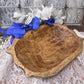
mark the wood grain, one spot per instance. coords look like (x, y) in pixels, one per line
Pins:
(46, 51)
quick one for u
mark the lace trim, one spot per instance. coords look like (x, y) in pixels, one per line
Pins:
(12, 74)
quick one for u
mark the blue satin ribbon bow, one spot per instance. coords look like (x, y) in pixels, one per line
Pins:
(18, 30)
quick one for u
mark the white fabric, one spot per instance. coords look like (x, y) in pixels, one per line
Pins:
(12, 74)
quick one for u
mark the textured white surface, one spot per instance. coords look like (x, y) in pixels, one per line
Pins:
(73, 73)
(78, 33)
(75, 3)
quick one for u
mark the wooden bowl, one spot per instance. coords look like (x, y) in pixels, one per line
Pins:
(46, 51)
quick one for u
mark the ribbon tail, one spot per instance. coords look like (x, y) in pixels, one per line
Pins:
(12, 39)
(5, 35)
(2, 31)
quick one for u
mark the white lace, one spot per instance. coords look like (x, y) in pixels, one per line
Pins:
(12, 74)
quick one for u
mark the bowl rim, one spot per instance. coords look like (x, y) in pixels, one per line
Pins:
(53, 71)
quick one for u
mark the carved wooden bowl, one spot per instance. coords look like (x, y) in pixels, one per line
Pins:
(46, 51)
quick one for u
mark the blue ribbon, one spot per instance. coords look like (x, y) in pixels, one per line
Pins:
(50, 21)
(18, 30)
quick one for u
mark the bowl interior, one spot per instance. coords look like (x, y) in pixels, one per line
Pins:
(46, 47)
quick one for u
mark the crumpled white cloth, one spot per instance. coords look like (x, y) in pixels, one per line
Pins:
(73, 73)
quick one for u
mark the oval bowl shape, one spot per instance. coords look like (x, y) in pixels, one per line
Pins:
(46, 51)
